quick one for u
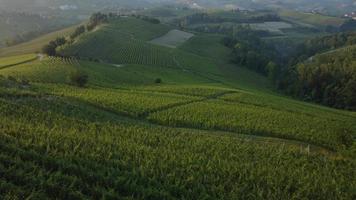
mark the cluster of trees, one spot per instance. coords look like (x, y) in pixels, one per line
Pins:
(77, 32)
(321, 72)
(148, 19)
(226, 29)
(50, 48)
(250, 51)
(329, 79)
(78, 78)
(95, 20)
(317, 71)
(199, 18)
(326, 43)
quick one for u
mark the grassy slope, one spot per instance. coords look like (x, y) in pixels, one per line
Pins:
(35, 45)
(114, 140)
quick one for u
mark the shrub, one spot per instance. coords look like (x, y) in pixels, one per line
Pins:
(78, 31)
(78, 78)
(25, 82)
(158, 81)
(49, 49)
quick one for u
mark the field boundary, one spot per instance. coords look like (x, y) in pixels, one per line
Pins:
(20, 63)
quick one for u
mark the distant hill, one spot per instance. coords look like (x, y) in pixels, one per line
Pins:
(34, 45)
(18, 27)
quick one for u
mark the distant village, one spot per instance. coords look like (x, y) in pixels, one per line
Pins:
(351, 15)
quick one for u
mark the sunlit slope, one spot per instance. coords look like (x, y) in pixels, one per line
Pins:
(58, 70)
(71, 149)
(120, 53)
(123, 41)
(35, 45)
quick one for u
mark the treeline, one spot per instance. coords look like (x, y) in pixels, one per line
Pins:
(321, 44)
(226, 29)
(95, 20)
(318, 71)
(323, 71)
(148, 19)
(329, 79)
(250, 51)
(199, 18)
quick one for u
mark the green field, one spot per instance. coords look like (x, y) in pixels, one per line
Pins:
(208, 130)
(172, 39)
(311, 19)
(16, 60)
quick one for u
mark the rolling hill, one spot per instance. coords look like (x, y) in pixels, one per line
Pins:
(207, 130)
(35, 45)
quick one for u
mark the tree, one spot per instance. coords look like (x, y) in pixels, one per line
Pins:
(49, 49)
(158, 80)
(273, 71)
(350, 93)
(78, 31)
(60, 41)
(78, 78)
(97, 19)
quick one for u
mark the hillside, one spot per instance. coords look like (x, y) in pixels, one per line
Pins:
(35, 45)
(157, 121)
(17, 27)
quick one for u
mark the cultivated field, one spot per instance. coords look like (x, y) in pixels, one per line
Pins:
(172, 39)
(273, 27)
(207, 130)
(16, 60)
(311, 19)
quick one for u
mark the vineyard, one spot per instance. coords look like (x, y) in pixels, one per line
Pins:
(122, 46)
(249, 119)
(50, 69)
(121, 101)
(102, 155)
(205, 130)
(16, 60)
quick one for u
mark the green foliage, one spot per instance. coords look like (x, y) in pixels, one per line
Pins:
(118, 45)
(97, 19)
(158, 80)
(148, 19)
(50, 49)
(78, 78)
(255, 120)
(78, 31)
(329, 78)
(103, 141)
(121, 101)
(54, 148)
